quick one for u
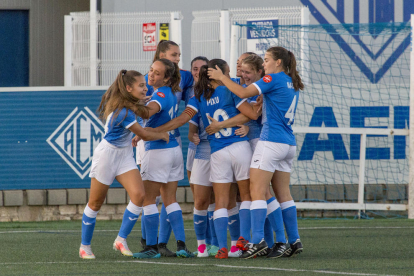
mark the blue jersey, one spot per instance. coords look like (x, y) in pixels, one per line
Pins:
(116, 129)
(188, 95)
(255, 126)
(221, 106)
(203, 148)
(280, 100)
(164, 97)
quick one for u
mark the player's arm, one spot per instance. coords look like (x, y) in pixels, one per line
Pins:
(184, 117)
(248, 110)
(148, 135)
(193, 133)
(153, 108)
(249, 91)
(215, 125)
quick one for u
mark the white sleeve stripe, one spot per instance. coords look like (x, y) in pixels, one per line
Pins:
(130, 125)
(258, 88)
(192, 107)
(194, 123)
(157, 103)
(243, 100)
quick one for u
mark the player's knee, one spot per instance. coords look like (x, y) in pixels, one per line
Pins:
(137, 197)
(95, 204)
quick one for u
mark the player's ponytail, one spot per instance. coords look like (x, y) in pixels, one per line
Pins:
(289, 65)
(203, 86)
(162, 47)
(117, 97)
(172, 72)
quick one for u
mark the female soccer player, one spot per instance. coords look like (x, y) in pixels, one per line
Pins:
(229, 152)
(113, 157)
(272, 159)
(162, 164)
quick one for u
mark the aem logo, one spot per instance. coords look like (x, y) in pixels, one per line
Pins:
(76, 138)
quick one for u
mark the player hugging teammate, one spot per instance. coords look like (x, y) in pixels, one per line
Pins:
(241, 140)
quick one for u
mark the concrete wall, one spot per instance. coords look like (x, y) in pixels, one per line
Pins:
(46, 30)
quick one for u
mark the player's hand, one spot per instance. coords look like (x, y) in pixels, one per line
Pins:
(258, 105)
(146, 99)
(215, 74)
(242, 130)
(135, 141)
(166, 137)
(214, 126)
(195, 139)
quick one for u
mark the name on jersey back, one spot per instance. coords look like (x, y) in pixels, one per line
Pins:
(212, 101)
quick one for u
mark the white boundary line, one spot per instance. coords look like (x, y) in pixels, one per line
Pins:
(216, 265)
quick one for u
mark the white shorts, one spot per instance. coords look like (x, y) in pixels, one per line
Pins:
(179, 141)
(253, 143)
(110, 161)
(163, 165)
(140, 150)
(200, 175)
(270, 156)
(232, 160)
(190, 159)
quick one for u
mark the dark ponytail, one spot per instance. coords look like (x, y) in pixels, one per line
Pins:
(289, 65)
(172, 71)
(162, 47)
(203, 86)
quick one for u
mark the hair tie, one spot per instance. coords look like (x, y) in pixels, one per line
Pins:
(123, 72)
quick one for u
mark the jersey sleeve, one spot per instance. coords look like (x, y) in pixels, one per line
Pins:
(195, 120)
(194, 104)
(265, 84)
(238, 101)
(160, 98)
(253, 99)
(130, 118)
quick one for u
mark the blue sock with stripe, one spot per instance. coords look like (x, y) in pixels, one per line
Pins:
(131, 215)
(221, 220)
(274, 214)
(234, 223)
(245, 220)
(259, 210)
(175, 216)
(208, 231)
(200, 224)
(143, 226)
(268, 233)
(88, 225)
(290, 220)
(165, 226)
(151, 220)
(210, 215)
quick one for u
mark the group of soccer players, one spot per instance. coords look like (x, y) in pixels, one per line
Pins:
(241, 140)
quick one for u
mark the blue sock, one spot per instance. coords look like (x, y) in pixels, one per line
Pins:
(200, 224)
(276, 219)
(268, 233)
(151, 221)
(131, 215)
(208, 232)
(245, 220)
(143, 226)
(290, 220)
(221, 220)
(165, 226)
(214, 240)
(88, 225)
(259, 210)
(175, 216)
(234, 223)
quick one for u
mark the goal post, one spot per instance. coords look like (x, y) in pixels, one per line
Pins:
(411, 148)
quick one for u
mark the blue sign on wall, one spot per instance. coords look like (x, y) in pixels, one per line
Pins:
(47, 138)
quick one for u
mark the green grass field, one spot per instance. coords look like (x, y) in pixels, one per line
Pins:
(344, 247)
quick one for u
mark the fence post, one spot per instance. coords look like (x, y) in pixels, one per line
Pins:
(411, 147)
(176, 32)
(93, 42)
(68, 51)
(361, 181)
(234, 49)
(225, 35)
(304, 45)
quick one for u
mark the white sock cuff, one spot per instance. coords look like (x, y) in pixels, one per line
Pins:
(233, 211)
(157, 200)
(200, 212)
(287, 204)
(238, 204)
(272, 206)
(89, 212)
(150, 210)
(172, 208)
(258, 204)
(211, 207)
(245, 205)
(136, 210)
(221, 213)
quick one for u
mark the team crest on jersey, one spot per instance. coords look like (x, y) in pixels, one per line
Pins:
(162, 95)
(267, 79)
(76, 138)
(379, 11)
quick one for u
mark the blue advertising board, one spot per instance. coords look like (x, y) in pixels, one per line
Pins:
(48, 138)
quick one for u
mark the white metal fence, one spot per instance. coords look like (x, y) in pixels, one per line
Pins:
(119, 44)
